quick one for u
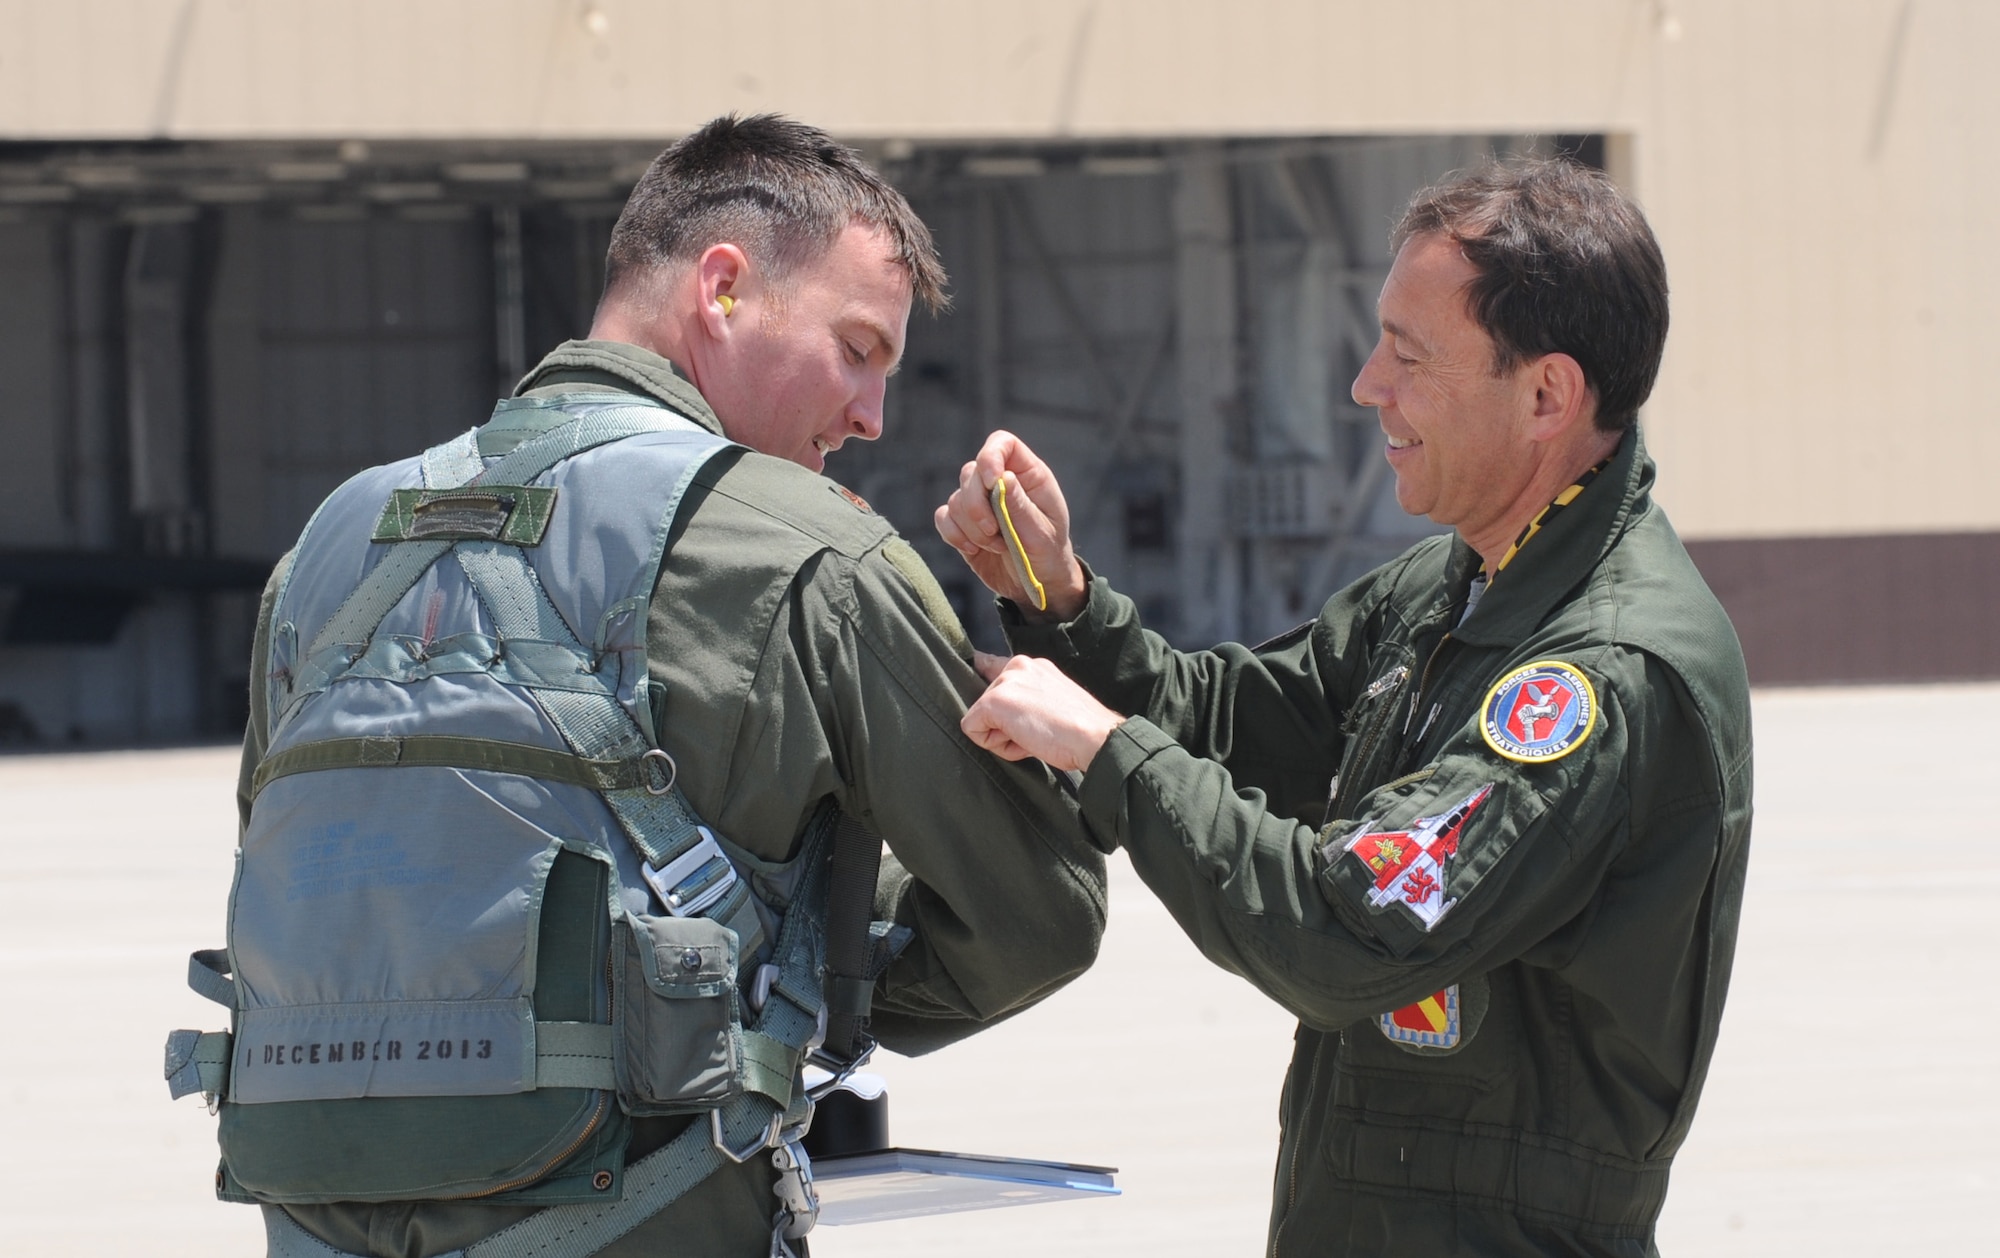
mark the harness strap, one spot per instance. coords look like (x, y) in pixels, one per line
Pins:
(455, 752)
(209, 975)
(567, 1055)
(598, 727)
(574, 1055)
(454, 462)
(198, 1061)
(857, 862)
(457, 463)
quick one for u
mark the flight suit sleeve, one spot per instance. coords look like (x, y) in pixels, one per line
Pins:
(1449, 872)
(1270, 715)
(992, 866)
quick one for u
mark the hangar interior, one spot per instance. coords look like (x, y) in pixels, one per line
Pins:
(200, 340)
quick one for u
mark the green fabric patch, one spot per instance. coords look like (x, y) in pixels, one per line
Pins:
(515, 514)
(904, 558)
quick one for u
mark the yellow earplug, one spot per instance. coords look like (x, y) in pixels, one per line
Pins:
(727, 303)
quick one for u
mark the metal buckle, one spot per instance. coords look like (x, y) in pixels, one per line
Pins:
(798, 1201)
(764, 1141)
(691, 881)
(760, 986)
(673, 769)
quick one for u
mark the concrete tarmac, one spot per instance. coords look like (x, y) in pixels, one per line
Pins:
(1849, 1110)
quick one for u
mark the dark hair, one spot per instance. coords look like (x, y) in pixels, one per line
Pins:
(1566, 265)
(780, 189)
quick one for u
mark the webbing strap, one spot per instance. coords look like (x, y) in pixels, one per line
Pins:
(788, 1025)
(285, 1239)
(574, 1055)
(596, 725)
(652, 1184)
(456, 463)
(209, 975)
(567, 1055)
(770, 1066)
(857, 860)
(613, 423)
(455, 752)
(356, 619)
(453, 463)
(198, 1061)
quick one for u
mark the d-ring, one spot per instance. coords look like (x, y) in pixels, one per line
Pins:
(673, 772)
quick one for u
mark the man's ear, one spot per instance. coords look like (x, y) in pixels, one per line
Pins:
(1563, 398)
(723, 280)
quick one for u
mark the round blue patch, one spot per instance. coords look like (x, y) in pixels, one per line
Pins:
(1539, 712)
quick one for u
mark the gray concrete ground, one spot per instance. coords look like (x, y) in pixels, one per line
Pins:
(1848, 1111)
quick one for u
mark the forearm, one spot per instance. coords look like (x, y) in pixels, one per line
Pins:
(1228, 704)
(1309, 920)
(1238, 878)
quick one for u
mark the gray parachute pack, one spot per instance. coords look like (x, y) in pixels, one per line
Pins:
(476, 927)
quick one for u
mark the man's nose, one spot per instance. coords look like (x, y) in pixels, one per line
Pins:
(864, 413)
(1371, 385)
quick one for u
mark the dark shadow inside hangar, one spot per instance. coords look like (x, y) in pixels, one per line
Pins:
(202, 340)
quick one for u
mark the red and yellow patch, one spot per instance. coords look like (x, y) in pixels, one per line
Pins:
(1433, 1022)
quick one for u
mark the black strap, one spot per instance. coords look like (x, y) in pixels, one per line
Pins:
(857, 861)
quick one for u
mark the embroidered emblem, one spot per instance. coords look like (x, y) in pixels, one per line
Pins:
(1539, 712)
(1433, 1022)
(1409, 864)
(855, 500)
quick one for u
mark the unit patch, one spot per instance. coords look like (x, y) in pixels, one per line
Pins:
(853, 499)
(1409, 865)
(1433, 1022)
(1539, 712)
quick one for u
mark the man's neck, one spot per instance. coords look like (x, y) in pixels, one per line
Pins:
(1493, 541)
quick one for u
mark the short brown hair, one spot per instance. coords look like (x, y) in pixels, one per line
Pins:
(780, 189)
(1566, 265)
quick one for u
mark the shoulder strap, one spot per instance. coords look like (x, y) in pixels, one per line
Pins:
(857, 862)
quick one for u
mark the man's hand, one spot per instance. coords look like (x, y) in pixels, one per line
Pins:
(1031, 709)
(1041, 517)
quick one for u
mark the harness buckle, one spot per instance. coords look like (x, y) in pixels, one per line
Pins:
(797, 1200)
(765, 1139)
(695, 879)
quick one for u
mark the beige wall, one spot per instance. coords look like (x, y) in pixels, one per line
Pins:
(1814, 167)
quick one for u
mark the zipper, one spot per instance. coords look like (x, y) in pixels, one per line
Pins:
(1422, 683)
(1389, 684)
(1408, 778)
(596, 1116)
(1292, 1171)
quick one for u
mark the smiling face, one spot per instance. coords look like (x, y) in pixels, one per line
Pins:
(1458, 436)
(805, 359)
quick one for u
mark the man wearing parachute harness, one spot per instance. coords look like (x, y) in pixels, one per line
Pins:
(553, 730)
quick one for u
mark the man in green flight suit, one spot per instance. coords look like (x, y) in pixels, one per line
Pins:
(759, 284)
(1508, 936)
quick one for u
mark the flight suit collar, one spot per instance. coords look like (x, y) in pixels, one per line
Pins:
(628, 368)
(1559, 558)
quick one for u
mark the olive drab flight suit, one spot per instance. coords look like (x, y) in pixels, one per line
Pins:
(810, 656)
(1509, 944)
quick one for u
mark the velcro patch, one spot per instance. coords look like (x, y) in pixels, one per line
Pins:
(1539, 712)
(1409, 865)
(515, 514)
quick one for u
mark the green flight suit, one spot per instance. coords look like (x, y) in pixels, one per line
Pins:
(813, 656)
(1593, 897)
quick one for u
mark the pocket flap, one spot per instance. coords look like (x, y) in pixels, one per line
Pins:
(686, 956)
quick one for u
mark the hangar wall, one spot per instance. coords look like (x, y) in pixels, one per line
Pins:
(225, 228)
(1816, 168)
